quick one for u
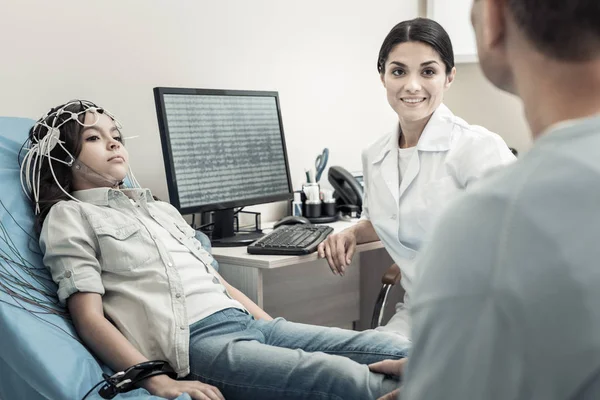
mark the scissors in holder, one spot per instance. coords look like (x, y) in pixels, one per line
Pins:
(321, 163)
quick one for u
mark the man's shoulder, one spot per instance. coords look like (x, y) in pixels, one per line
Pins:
(539, 176)
(468, 246)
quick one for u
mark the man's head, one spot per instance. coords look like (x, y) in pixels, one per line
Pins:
(565, 31)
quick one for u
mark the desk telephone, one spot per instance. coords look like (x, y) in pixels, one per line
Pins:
(347, 190)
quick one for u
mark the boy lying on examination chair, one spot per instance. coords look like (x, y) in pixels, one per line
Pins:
(140, 287)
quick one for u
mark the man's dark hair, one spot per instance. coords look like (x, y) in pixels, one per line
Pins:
(567, 30)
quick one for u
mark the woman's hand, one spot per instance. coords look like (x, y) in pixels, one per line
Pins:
(338, 249)
(390, 367)
(163, 386)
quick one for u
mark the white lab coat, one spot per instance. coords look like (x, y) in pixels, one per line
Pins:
(449, 156)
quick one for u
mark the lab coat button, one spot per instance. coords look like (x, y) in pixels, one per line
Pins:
(68, 274)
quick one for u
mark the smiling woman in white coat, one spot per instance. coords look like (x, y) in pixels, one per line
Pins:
(428, 158)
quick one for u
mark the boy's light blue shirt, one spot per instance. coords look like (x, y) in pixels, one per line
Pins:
(508, 302)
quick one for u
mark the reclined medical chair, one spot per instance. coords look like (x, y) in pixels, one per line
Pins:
(41, 356)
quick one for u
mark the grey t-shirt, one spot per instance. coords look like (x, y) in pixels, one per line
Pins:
(507, 305)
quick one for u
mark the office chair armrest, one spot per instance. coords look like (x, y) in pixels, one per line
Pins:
(392, 276)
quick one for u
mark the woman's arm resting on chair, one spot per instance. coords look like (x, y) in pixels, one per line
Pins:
(115, 350)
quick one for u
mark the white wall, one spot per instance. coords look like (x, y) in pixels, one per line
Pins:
(475, 99)
(320, 56)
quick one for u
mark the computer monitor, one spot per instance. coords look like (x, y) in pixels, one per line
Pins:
(222, 149)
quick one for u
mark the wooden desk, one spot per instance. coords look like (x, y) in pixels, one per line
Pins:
(303, 288)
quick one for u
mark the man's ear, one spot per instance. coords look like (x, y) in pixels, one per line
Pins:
(493, 23)
(450, 78)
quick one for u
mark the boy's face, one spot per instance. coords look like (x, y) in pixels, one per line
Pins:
(102, 151)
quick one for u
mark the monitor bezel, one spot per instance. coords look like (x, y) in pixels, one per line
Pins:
(159, 93)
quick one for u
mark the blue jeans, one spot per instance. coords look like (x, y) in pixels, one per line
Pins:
(254, 359)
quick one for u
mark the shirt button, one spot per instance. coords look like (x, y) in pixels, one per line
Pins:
(178, 295)
(170, 264)
(393, 216)
(68, 274)
(182, 328)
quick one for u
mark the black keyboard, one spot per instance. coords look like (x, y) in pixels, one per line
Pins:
(291, 240)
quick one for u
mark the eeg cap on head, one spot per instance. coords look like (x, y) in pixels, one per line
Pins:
(45, 136)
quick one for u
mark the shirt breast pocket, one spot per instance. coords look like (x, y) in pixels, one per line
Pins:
(123, 248)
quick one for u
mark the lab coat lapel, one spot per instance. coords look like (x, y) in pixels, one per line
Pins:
(389, 172)
(411, 172)
(435, 137)
(387, 163)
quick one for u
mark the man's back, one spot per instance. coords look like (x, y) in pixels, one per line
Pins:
(508, 305)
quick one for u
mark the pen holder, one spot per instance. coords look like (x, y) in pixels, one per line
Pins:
(328, 208)
(312, 208)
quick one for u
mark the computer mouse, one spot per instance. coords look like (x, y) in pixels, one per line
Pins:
(291, 220)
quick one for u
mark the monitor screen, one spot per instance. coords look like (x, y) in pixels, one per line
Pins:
(222, 148)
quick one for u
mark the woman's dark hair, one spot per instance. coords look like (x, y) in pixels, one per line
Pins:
(422, 30)
(70, 136)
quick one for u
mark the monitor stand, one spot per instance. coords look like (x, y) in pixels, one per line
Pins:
(223, 234)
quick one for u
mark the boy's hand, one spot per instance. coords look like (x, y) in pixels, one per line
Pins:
(163, 386)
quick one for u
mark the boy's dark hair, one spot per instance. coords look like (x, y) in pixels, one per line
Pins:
(70, 134)
(567, 30)
(422, 30)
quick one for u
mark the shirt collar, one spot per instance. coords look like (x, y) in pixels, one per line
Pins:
(571, 127)
(435, 136)
(101, 196)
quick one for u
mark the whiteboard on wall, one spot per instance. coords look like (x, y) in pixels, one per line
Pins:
(455, 17)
